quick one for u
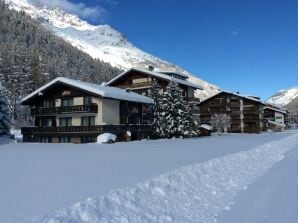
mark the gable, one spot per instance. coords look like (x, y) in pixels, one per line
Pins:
(57, 90)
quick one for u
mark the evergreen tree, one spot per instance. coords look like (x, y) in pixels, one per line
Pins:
(5, 114)
(155, 108)
(191, 126)
(173, 112)
(31, 56)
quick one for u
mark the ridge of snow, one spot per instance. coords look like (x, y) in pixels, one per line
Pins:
(194, 193)
(101, 42)
(283, 97)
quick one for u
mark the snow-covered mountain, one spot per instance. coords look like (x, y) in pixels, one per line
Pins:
(102, 41)
(283, 97)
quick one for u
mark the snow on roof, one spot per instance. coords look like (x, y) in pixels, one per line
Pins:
(276, 123)
(206, 126)
(172, 72)
(159, 75)
(275, 109)
(101, 90)
(239, 95)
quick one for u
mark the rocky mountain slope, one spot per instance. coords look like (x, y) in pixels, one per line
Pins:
(101, 42)
(293, 105)
(283, 97)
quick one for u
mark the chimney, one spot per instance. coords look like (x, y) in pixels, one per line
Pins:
(150, 68)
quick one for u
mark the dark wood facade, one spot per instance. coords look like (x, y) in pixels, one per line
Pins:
(245, 113)
(141, 81)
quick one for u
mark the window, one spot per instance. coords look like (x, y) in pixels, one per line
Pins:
(67, 102)
(87, 139)
(48, 103)
(88, 121)
(65, 121)
(46, 139)
(45, 121)
(64, 139)
(87, 100)
(48, 122)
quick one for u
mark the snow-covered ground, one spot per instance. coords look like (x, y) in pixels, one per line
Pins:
(37, 179)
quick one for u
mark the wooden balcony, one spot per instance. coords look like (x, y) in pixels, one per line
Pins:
(251, 112)
(98, 129)
(92, 108)
(193, 100)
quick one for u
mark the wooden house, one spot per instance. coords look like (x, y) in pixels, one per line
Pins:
(140, 81)
(274, 118)
(67, 110)
(245, 112)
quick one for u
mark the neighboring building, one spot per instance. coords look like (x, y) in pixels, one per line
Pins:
(140, 80)
(245, 112)
(67, 110)
(274, 118)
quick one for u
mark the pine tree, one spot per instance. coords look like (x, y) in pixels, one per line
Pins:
(174, 117)
(155, 108)
(5, 114)
(172, 112)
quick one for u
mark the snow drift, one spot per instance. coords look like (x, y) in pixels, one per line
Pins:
(195, 193)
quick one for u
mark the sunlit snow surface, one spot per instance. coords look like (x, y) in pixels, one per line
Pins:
(41, 178)
(194, 193)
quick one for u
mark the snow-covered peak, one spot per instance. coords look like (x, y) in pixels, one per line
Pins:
(101, 42)
(53, 15)
(283, 97)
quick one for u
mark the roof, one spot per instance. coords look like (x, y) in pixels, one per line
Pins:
(239, 95)
(172, 72)
(158, 75)
(276, 123)
(275, 109)
(101, 90)
(206, 126)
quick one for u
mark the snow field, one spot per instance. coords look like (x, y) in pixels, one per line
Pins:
(194, 193)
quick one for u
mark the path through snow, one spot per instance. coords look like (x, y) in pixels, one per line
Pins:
(195, 193)
(272, 198)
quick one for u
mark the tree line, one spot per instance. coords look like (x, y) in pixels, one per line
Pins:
(30, 56)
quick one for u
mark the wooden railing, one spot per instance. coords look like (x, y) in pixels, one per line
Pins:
(87, 129)
(193, 100)
(92, 108)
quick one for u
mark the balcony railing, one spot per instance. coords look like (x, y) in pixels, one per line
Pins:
(66, 109)
(87, 129)
(193, 100)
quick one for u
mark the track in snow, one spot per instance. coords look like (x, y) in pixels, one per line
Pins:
(196, 193)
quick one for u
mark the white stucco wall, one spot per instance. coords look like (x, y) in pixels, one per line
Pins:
(58, 102)
(78, 101)
(111, 111)
(279, 118)
(98, 116)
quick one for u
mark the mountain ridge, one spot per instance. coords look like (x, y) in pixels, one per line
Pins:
(283, 97)
(101, 42)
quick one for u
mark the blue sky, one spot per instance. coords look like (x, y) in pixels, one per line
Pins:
(250, 46)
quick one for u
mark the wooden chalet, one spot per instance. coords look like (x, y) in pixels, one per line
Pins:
(67, 110)
(274, 118)
(140, 81)
(245, 112)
